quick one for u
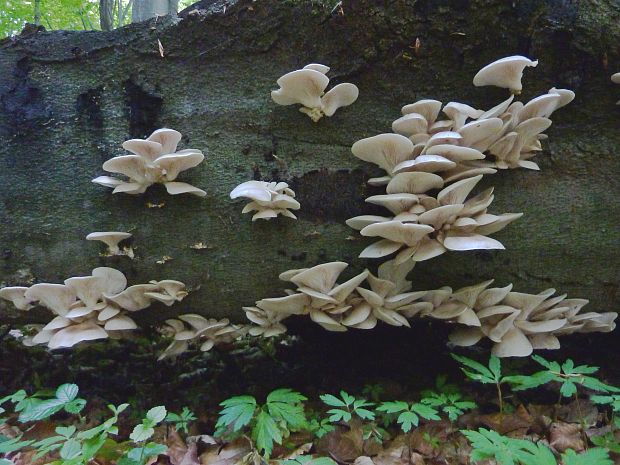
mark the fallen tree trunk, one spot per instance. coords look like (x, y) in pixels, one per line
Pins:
(69, 99)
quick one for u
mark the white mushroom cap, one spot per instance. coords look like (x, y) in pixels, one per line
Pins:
(133, 298)
(321, 277)
(339, 96)
(175, 188)
(506, 73)
(304, 86)
(318, 67)
(428, 108)
(56, 297)
(460, 112)
(167, 138)
(255, 190)
(410, 124)
(174, 164)
(384, 150)
(17, 295)
(149, 150)
(107, 181)
(74, 334)
(414, 183)
(120, 323)
(110, 238)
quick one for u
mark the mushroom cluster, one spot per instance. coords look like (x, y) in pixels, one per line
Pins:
(518, 323)
(195, 330)
(268, 199)
(153, 160)
(468, 142)
(307, 86)
(423, 226)
(90, 307)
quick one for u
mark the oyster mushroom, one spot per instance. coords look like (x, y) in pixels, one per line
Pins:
(153, 160)
(111, 239)
(307, 87)
(506, 72)
(17, 295)
(269, 199)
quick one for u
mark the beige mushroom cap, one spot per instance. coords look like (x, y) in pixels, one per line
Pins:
(304, 86)
(318, 67)
(74, 334)
(615, 78)
(56, 297)
(506, 73)
(339, 96)
(321, 277)
(168, 138)
(384, 150)
(17, 295)
(255, 190)
(110, 238)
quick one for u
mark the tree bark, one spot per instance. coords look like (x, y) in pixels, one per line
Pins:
(106, 14)
(68, 100)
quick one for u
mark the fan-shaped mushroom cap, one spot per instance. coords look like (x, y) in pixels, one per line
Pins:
(455, 153)
(359, 222)
(414, 183)
(384, 150)
(133, 298)
(566, 96)
(410, 124)
(58, 322)
(542, 106)
(395, 231)
(396, 203)
(457, 193)
(17, 295)
(498, 110)
(513, 344)
(339, 96)
(74, 334)
(255, 190)
(615, 78)
(428, 108)
(425, 163)
(168, 138)
(120, 323)
(444, 137)
(305, 86)
(147, 149)
(460, 112)
(321, 277)
(110, 238)
(134, 167)
(107, 181)
(175, 163)
(318, 67)
(56, 297)
(506, 73)
(481, 133)
(175, 188)
(293, 304)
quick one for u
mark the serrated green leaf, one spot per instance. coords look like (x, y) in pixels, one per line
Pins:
(41, 410)
(237, 412)
(425, 411)
(348, 398)
(265, 433)
(365, 414)
(407, 420)
(285, 395)
(568, 388)
(65, 431)
(11, 445)
(393, 407)
(480, 372)
(70, 449)
(67, 392)
(495, 366)
(156, 414)
(292, 414)
(75, 406)
(336, 415)
(332, 400)
(552, 366)
(594, 456)
(141, 433)
(91, 446)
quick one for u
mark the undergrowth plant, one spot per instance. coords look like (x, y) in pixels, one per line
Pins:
(269, 423)
(181, 420)
(491, 374)
(488, 444)
(351, 410)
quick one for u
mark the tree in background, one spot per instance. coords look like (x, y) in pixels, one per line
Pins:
(80, 14)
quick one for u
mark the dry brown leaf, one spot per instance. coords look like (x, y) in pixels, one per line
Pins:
(564, 436)
(229, 454)
(343, 445)
(301, 450)
(512, 424)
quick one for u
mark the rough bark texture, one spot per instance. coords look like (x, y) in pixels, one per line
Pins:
(68, 100)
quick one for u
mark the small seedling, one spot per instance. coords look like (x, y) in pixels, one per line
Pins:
(485, 375)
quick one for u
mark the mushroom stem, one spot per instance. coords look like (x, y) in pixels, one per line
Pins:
(315, 114)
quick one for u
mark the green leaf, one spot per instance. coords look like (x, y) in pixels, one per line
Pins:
(480, 373)
(496, 367)
(407, 420)
(332, 401)
(265, 433)
(156, 414)
(65, 431)
(41, 410)
(568, 388)
(293, 415)
(11, 445)
(70, 449)
(91, 446)
(552, 366)
(67, 392)
(425, 411)
(237, 412)
(393, 407)
(348, 398)
(285, 395)
(337, 415)
(594, 456)
(75, 406)
(6, 462)
(141, 433)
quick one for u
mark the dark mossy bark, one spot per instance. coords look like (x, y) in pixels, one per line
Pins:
(68, 99)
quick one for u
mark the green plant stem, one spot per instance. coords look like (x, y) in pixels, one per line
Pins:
(500, 399)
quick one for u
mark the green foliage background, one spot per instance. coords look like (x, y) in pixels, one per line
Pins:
(55, 14)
